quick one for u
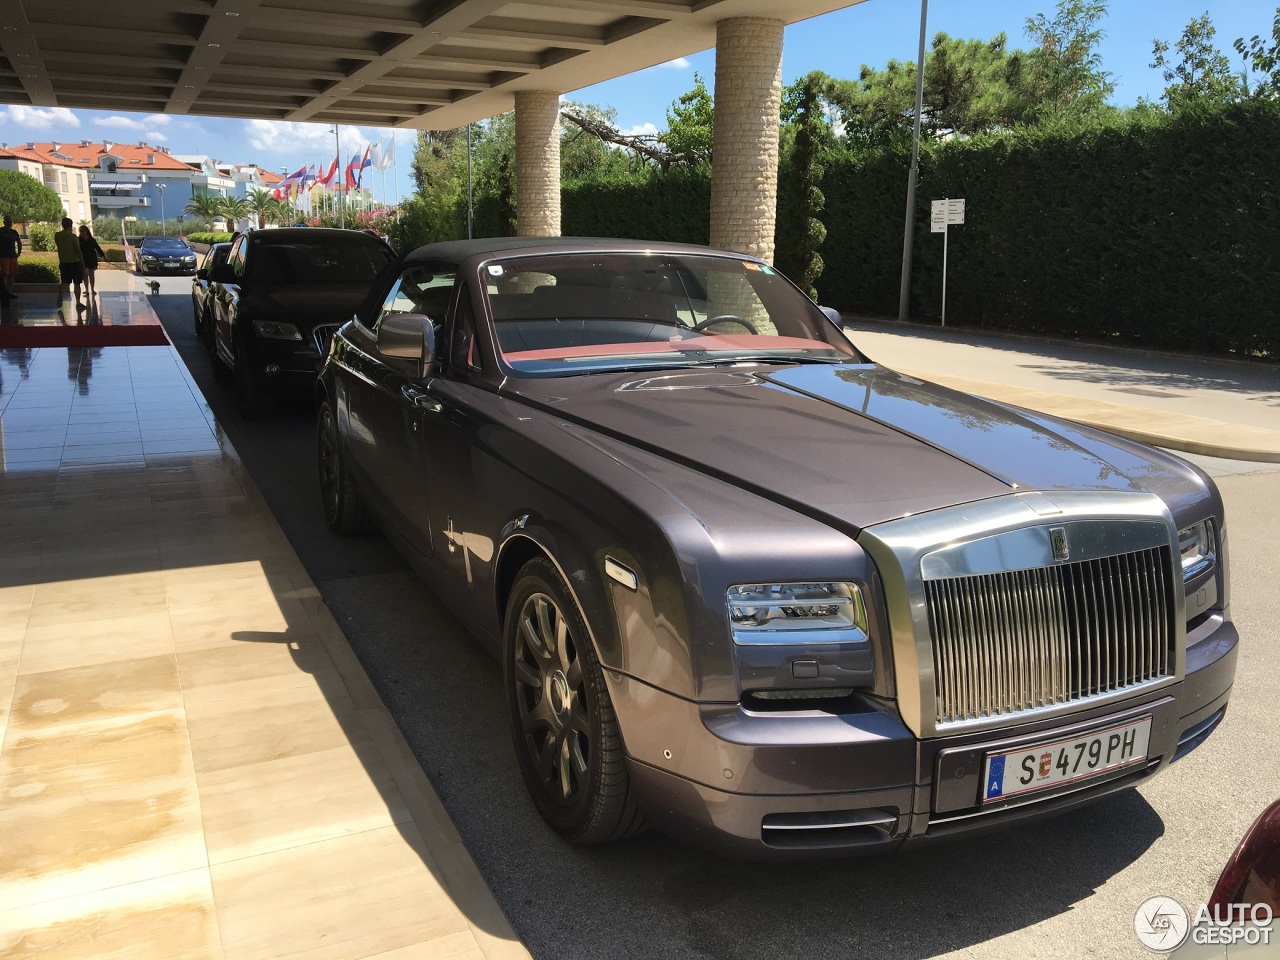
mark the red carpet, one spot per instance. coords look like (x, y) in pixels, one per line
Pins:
(116, 319)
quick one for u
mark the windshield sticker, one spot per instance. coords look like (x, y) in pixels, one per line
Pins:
(495, 270)
(752, 266)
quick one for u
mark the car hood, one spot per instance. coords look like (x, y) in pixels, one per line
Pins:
(304, 306)
(858, 444)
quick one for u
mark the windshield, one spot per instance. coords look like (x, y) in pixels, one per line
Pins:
(587, 312)
(319, 262)
(164, 243)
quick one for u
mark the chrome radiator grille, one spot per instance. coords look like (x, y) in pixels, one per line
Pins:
(1014, 641)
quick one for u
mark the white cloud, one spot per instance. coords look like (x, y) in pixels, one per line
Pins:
(679, 63)
(287, 136)
(641, 130)
(38, 118)
(147, 124)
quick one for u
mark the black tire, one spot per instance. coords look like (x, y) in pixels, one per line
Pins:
(562, 721)
(206, 330)
(253, 399)
(344, 510)
(221, 372)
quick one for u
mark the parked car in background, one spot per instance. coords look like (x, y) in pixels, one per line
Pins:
(164, 255)
(201, 306)
(278, 299)
(746, 584)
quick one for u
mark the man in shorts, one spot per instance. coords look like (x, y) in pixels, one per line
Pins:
(10, 250)
(70, 261)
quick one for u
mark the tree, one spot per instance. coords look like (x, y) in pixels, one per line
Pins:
(1063, 76)
(28, 200)
(966, 92)
(690, 123)
(206, 206)
(264, 205)
(1202, 71)
(1263, 55)
(235, 209)
(802, 106)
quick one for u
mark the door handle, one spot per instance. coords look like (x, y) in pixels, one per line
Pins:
(421, 399)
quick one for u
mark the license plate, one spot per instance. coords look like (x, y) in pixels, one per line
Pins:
(1016, 772)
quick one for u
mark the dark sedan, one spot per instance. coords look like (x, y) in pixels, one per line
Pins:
(276, 302)
(749, 586)
(167, 255)
(201, 305)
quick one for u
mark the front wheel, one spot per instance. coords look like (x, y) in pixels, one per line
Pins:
(343, 508)
(566, 733)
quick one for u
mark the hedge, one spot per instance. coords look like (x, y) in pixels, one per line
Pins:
(29, 272)
(210, 236)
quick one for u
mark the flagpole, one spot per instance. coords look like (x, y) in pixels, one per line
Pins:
(395, 168)
(342, 207)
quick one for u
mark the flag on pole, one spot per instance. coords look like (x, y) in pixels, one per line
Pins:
(375, 155)
(364, 164)
(290, 183)
(128, 249)
(387, 156)
(324, 179)
(353, 173)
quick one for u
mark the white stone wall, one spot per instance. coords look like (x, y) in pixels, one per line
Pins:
(537, 163)
(744, 176)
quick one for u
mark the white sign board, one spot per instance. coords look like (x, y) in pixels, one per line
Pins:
(938, 217)
(955, 211)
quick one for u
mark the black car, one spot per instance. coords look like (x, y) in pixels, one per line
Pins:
(167, 255)
(751, 587)
(277, 300)
(201, 306)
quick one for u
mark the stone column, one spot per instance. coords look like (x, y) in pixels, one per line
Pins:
(537, 163)
(744, 175)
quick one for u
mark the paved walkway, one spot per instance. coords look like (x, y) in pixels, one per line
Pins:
(192, 761)
(1212, 407)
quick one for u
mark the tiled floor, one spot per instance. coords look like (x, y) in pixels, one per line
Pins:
(192, 762)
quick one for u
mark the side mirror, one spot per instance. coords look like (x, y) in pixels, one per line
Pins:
(833, 315)
(222, 273)
(202, 273)
(407, 336)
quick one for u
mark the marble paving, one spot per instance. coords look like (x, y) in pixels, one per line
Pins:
(192, 761)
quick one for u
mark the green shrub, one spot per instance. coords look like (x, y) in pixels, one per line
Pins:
(35, 273)
(209, 236)
(115, 254)
(40, 236)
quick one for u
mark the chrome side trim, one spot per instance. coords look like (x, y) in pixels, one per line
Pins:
(1003, 535)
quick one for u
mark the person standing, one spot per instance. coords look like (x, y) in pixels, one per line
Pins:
(89, 254)
(10, 250)
(70, 261)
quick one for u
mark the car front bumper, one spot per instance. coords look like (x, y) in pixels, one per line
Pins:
(809, 784)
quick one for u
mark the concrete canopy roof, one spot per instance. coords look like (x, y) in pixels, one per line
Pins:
(423, 64)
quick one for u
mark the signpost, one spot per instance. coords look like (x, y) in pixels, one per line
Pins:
(942, 215)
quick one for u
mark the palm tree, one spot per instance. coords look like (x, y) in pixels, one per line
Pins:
(236, 209)
(206, 206)
(261, 200)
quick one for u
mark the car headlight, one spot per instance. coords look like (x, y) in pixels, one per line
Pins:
(147, 256)
(1198, 549)
(276, 331)
(797, 613)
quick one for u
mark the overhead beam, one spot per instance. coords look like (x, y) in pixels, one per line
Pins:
(18, 42)
(456, 16)
(223, 25)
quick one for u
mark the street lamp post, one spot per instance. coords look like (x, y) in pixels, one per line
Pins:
(163, 230)
(342, 197)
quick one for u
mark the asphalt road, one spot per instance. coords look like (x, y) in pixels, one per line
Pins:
(1064, 888)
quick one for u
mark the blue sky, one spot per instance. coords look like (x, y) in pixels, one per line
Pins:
(839, 43)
